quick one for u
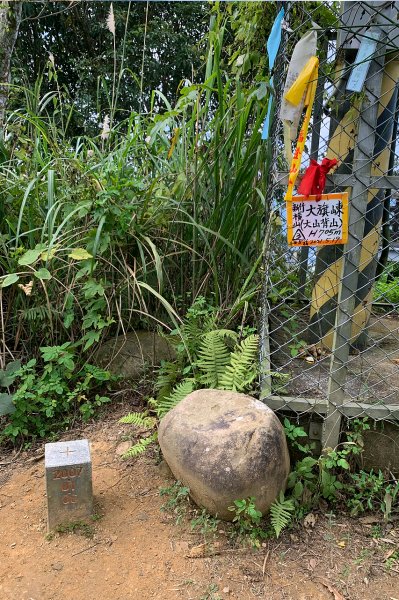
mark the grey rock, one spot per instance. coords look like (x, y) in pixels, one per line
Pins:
(128, 355)
(225, 446)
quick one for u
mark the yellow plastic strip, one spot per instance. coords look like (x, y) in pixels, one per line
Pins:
(296, 160)
(287, 141)
(301, 83)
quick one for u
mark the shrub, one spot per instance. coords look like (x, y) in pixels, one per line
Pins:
(50, 396)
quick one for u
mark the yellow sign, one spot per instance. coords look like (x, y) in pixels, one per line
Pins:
(312, 222)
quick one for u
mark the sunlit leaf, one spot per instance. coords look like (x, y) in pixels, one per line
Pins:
(30, 257)
(80, 254)
(48, 254)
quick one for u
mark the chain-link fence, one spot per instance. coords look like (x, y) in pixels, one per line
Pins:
(330, 338)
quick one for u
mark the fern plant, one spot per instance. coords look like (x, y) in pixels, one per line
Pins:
(200, 319)
(143, 421)
(219, 366)
(281, 513)
(139, 420)
(140, 446)
(165, 404)
(214, 357)
(242, 369)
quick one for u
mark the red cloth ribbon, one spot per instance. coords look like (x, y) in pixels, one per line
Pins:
(314, 179)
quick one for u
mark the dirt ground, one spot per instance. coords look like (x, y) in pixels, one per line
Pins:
(138, 552)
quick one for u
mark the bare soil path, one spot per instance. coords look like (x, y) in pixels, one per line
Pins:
(137, 552)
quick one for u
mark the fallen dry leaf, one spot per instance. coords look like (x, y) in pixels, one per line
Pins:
(309, 520)
(332, 589)
(389, 554)
(312, 564)
(341, 543)
(197, 551)
(26, 288)
(387, 541)
(370, 519)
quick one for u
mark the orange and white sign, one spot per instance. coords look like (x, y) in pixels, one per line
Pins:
(312, 222)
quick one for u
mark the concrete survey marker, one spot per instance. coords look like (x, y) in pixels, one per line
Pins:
(68, 482)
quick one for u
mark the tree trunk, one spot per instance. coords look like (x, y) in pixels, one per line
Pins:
(10, 18)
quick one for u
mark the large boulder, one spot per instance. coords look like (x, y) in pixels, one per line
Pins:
(225, 446)
(127, 355)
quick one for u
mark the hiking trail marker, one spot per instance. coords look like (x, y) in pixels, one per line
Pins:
(317, 222)
(68, 482)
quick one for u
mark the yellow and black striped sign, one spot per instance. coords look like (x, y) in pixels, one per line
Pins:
(329, 262)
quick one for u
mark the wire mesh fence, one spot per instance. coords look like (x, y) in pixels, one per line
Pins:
(330, 337)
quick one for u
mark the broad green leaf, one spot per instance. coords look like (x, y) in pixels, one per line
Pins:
(48, 254)
(6, 404)
(42, 274)
(9, 280)
(8, 376)
(30, 257)
(343, 463)
(68, 319)
(91, 289)
(80, 254)
(298, 489)
(13, 366)
(91, 337)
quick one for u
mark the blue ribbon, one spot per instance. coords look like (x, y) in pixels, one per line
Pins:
(273, 44)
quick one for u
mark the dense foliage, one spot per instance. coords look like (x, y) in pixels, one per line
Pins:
(156, 47)
(124, 228)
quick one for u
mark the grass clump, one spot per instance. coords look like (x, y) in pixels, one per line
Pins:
(77, 527)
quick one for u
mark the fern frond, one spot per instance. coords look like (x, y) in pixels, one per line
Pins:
(167, 374)
(209, 322)
(165, 404)
(281, 513)
(35, 313)
(140, 447)
(226, 333)
(139, 420)
(199, 320)
(214, 356)
(243, 369)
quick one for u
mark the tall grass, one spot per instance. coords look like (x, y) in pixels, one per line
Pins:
(128, 231)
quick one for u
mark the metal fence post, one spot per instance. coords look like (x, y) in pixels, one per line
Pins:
(363, 157)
